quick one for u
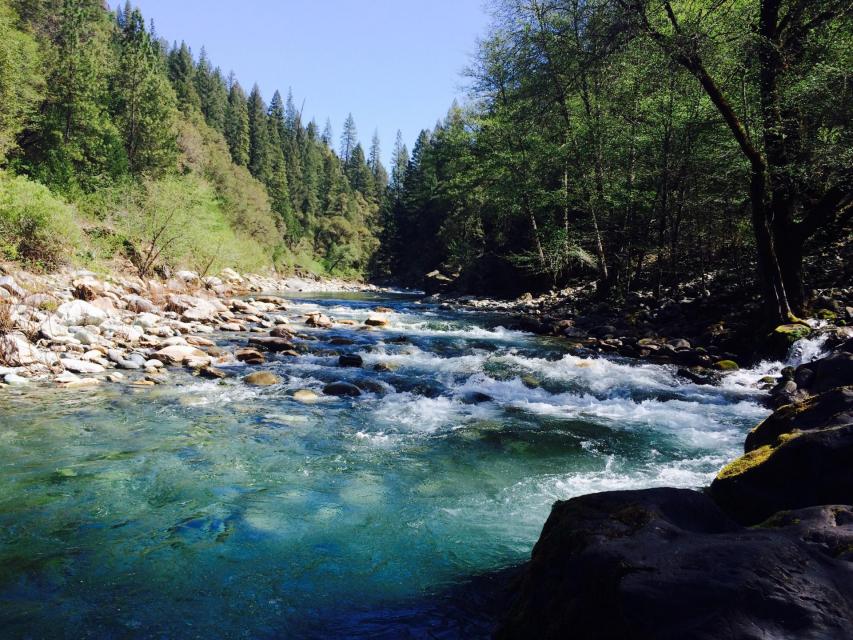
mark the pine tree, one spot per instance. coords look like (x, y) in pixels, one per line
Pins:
(145, 103)
(374, 161)
(237, 124)
(349, 138)
(212, 93)
(182, 76)
(400, 163)
(328, 135)
(258, 135)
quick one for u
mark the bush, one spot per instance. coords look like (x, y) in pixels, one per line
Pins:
(36, 228)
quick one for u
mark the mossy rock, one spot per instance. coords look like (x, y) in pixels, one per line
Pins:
(826, 314)
(726, 365)
(801, 469)
(780, 340)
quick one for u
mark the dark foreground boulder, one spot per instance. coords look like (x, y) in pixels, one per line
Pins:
(668, 564)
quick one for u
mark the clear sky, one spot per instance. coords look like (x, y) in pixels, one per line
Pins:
(395, 64)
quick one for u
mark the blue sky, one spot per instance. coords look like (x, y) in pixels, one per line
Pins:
(395, 64)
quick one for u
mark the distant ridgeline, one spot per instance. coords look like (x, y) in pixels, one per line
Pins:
(114, 143)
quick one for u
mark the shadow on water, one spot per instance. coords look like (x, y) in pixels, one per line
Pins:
(470, 609)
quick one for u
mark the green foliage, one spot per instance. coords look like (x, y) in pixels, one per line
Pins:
(36, 227)
(21, 79)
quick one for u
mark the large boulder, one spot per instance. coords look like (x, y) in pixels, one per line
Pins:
(80, 313)
(831, 409)
(669, 564)
(802, 469)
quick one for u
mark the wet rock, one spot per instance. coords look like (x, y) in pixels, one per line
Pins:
(699, 377)
(350, 360)
(782, 338)
(281, 331)
(341, 342)
(250, 356)
(305, 396)
(476, 397)
(668, 563)
(679, 343)
(271, 344)
(832, 371)
(318, 320)
(726, 365)
(211, 373)
(375, 320)
(383, 310)
(342, 388)
(261, 379)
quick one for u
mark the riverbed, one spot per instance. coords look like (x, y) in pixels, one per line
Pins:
(218, 510)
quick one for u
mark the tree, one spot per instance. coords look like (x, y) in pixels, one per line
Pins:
(349, 138)
(237, 124)
(145, 103)
(259, 138)
(212, 92)
(182, 73)
(328, 135)
(793, 192)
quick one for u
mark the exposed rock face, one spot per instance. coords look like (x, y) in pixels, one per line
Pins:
(669, 564)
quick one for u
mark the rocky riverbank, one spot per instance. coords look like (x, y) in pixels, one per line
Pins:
(766, 551)
(77, 329)
(704, 336)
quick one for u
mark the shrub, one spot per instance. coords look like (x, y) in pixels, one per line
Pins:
(36, 228)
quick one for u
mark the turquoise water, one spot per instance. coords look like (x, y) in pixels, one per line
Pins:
(212, 510)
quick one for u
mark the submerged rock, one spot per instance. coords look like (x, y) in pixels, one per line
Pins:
(668, 563)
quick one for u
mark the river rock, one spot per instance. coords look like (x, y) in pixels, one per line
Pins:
(80, 313)
(341, 388)
(81, 366)
(211, 373)
(15, 380)
(319, 320)
(271, 344)
(250, 356)
(138, 304)
(350, 360)
(16, 351)
(8, 284)
(305, 396)
(376, 320)
(783, 337)
(802, 466)
(261, 379)
(178, 354)
(281, 331)
(669, 564)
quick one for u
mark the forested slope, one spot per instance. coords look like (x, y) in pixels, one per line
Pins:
(114, 143)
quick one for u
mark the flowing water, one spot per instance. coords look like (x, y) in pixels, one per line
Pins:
(214, 510)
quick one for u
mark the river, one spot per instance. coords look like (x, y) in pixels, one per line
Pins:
(216, 510)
